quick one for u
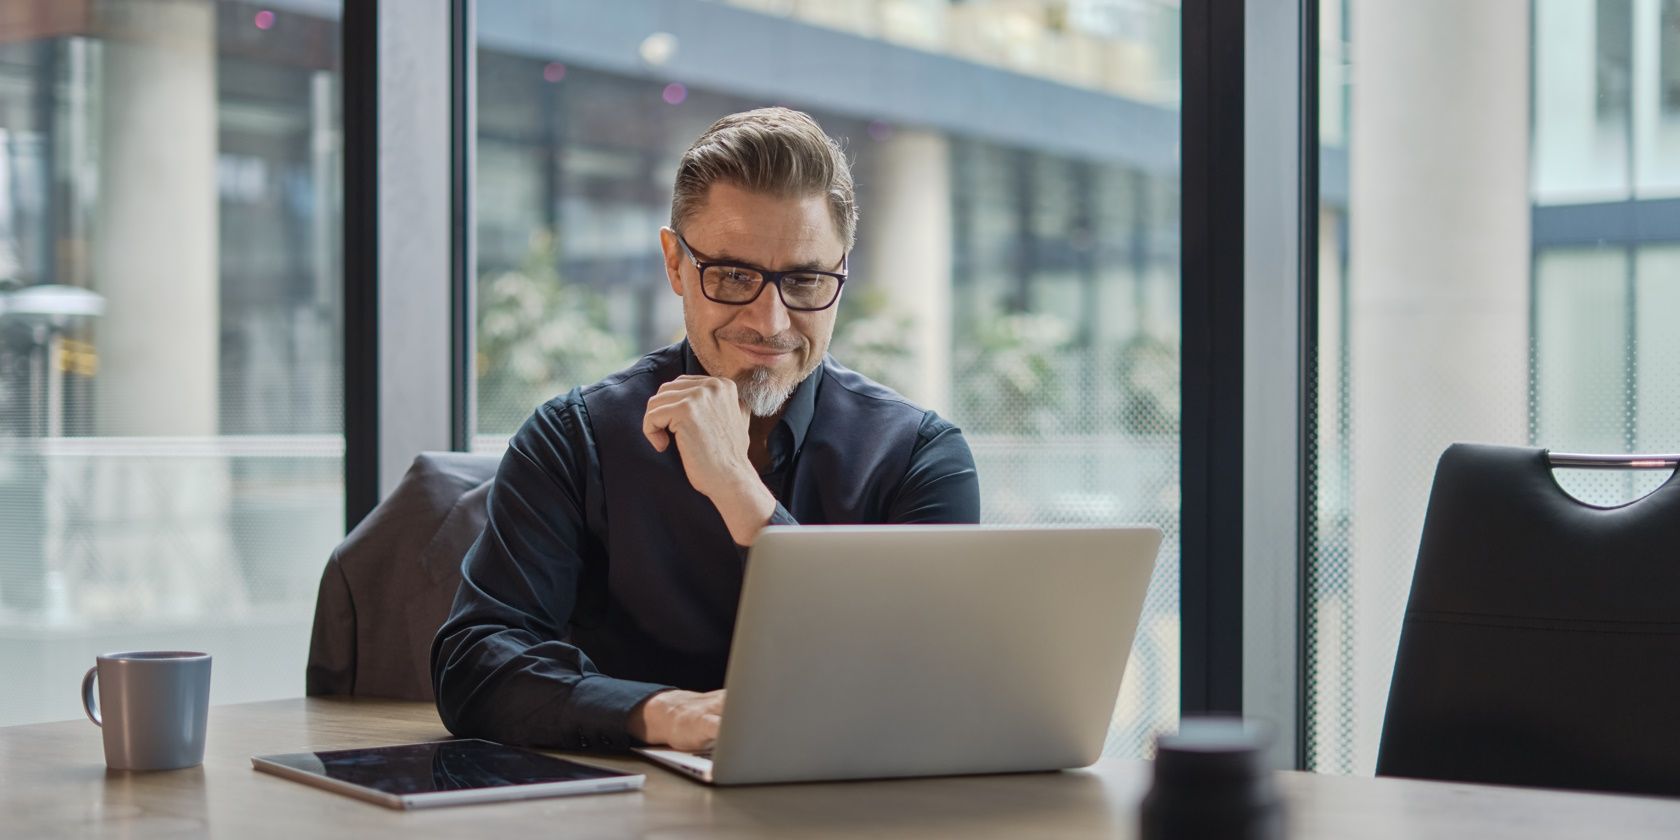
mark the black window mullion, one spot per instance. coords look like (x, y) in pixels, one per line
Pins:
(463, 220)
(359, 58)
(1211, 144)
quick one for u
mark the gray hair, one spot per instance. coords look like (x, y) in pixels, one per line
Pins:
(777, 151)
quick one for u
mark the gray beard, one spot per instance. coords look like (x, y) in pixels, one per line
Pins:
(762, 393)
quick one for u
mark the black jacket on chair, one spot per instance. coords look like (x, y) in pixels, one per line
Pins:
(388, 586)
(1541, 643)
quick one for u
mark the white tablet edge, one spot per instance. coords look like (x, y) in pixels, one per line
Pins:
(434, 799)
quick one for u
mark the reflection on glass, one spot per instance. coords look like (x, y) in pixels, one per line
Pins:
(170, 431)
(1016, 265)
(1125, 47)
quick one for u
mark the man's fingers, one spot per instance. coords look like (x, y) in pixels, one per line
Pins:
(669, 398)
(671, 418)
(657, 427)
(705, 734)
(697, 720)
(688, 387)
(687, 382)
(658, 437)
(661, 405)
(691, 382)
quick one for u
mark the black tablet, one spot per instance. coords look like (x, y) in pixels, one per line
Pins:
(445, 773)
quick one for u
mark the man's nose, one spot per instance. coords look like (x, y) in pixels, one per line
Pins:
(767, 314)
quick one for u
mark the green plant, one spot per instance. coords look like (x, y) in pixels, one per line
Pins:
(1007, 373)
(539, 336)
(873, 339)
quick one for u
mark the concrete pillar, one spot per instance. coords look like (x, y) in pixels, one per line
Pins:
(155, 240)
(908, 227)
(155, 516)
(1439, 279)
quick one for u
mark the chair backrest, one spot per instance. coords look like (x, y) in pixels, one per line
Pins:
(1541, 642)
(388, 587)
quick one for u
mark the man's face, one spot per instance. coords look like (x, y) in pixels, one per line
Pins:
(765, 347)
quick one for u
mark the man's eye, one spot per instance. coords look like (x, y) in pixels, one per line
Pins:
(805, 281)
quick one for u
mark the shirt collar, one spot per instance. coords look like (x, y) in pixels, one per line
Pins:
(801, 406)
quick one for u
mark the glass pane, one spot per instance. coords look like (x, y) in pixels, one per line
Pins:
(1656, 53)
(1656, 345)
(1474, 286)
(171, 436)
(1581, 307)
(1584, 98)
(1017, 258)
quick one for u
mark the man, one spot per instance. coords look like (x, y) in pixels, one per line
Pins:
(596, 609)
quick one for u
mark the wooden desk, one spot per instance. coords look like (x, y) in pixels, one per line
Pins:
(53, 783)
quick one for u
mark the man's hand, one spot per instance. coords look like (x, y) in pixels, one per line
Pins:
(704, 416)
(709, 422)
(684, 720)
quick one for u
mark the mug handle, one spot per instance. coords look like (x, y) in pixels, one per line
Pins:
(89, 704)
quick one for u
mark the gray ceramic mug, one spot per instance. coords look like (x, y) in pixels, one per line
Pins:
(153, 706)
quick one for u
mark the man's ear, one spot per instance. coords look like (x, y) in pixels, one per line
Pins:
(673, 258)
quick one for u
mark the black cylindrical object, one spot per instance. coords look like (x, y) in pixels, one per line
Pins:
(1211, 783)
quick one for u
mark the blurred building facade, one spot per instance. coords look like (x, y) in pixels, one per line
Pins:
(171, 454)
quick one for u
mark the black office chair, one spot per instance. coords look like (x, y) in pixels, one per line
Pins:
(1541, 643)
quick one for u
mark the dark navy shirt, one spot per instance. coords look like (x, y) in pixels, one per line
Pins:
(602, 576)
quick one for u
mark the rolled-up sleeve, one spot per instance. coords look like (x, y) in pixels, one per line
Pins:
(499, 668)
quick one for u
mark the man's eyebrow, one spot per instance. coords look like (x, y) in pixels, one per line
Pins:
(808, 265)
(726, 257)
(812, 265)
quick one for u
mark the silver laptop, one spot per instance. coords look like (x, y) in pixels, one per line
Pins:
(885, 651)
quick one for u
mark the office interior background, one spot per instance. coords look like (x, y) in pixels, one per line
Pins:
(1499, 248)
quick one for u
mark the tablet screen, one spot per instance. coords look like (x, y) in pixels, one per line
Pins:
(441, 766)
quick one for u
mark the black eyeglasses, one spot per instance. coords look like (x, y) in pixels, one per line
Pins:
(802, 290)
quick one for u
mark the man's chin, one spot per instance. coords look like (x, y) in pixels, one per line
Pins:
(763, 391)
(762, 375)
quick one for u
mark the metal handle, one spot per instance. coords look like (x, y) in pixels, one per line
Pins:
(1613, 462)
(89, 704)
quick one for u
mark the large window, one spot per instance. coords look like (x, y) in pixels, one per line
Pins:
(171, 437)
(1498, 252)
(1016, 265)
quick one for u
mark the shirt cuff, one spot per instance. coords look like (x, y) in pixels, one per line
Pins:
(780, 516)
(600, 710)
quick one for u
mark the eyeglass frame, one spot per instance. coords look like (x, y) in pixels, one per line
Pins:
(768, 278)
